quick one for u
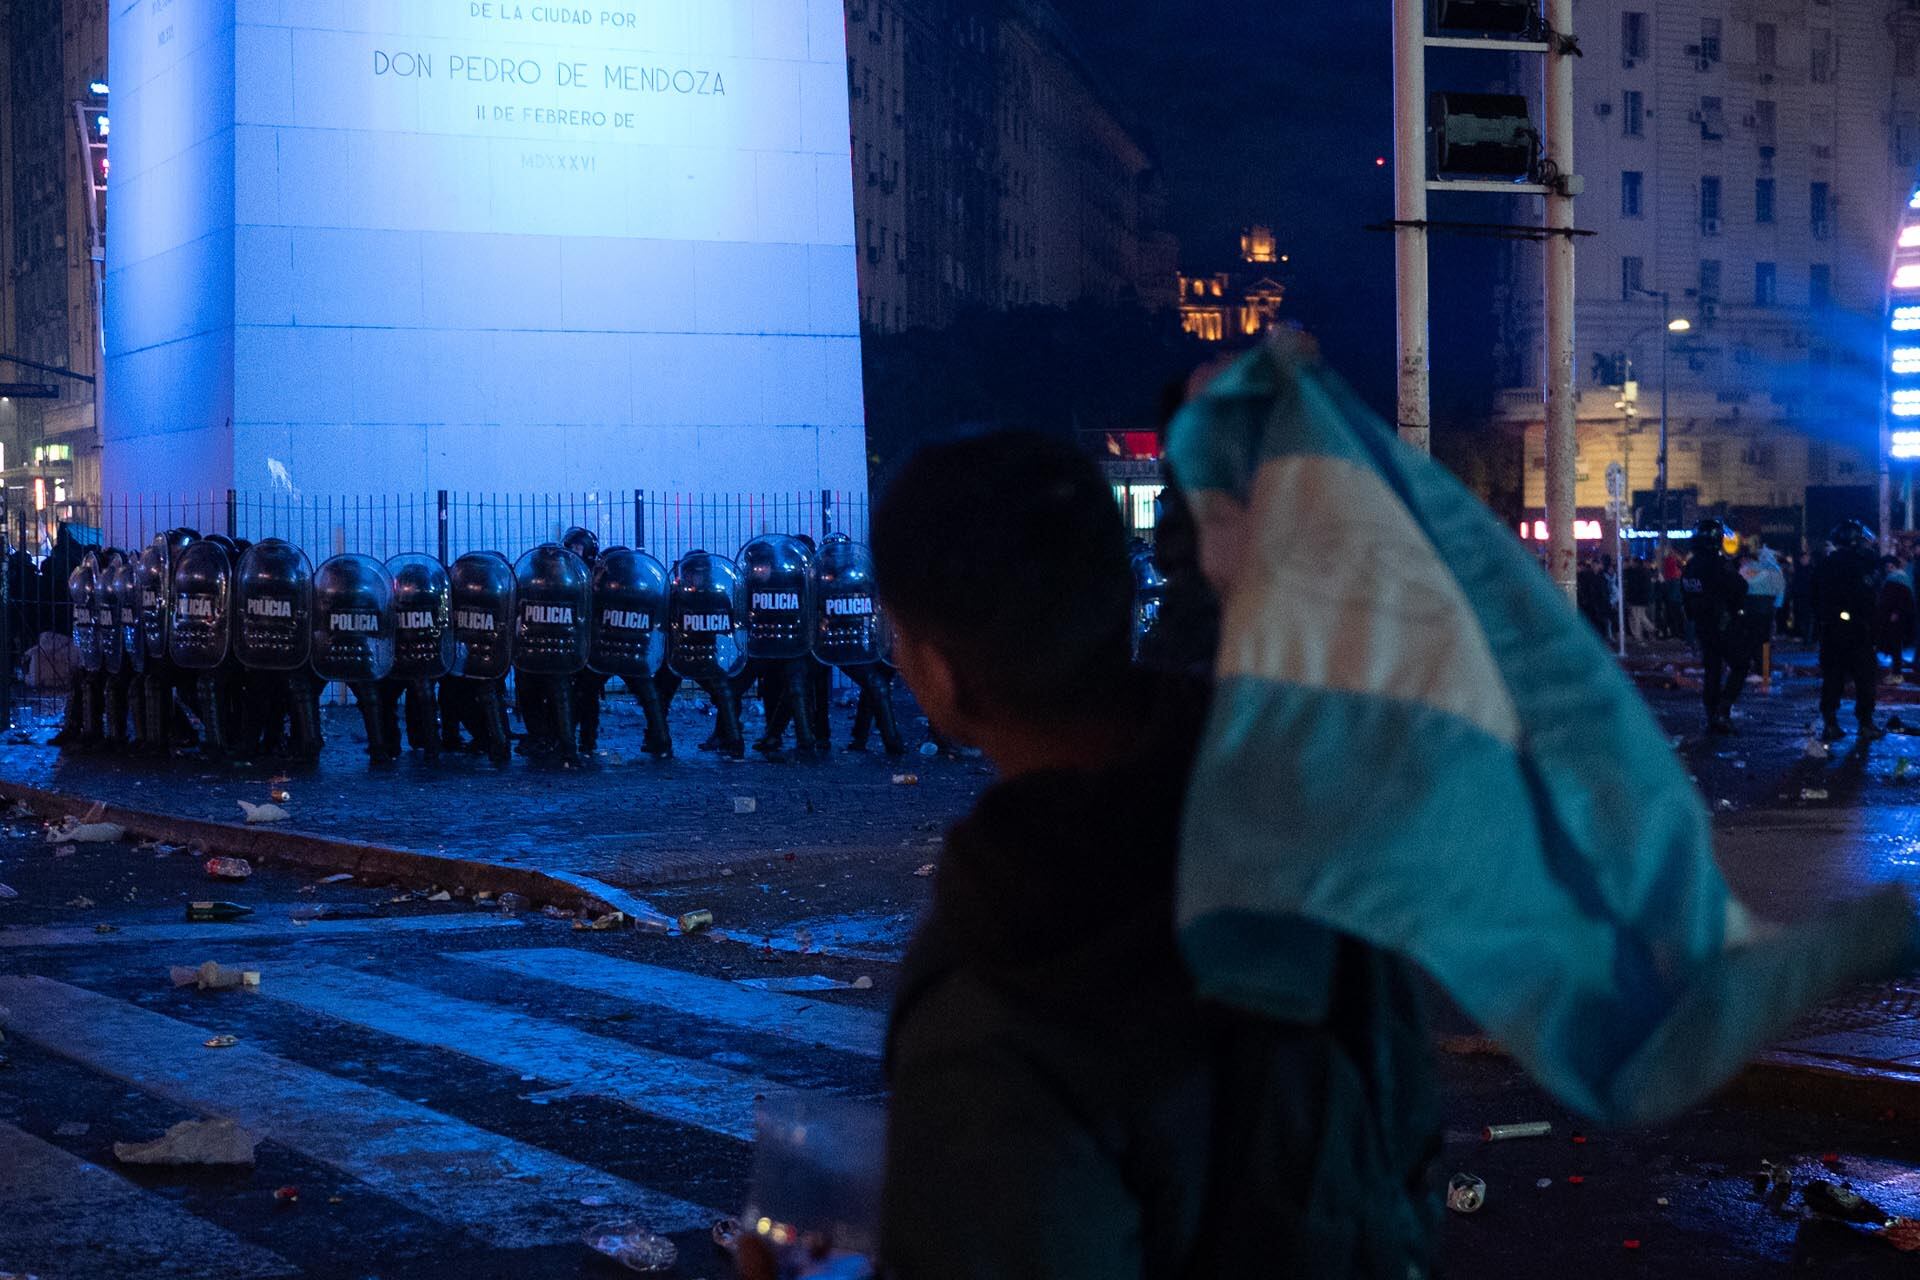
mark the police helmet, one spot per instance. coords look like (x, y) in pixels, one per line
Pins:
(1711, 535)
(1852, 535)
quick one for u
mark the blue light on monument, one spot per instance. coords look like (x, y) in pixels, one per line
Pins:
(482, 245)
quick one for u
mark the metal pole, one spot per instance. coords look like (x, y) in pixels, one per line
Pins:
(1666, 359)
(1885, 527)
(1620, 570)
(1410, 213)
(1562, 444)
(440, 519)
(640, 519)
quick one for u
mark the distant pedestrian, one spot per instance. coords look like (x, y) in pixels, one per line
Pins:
(1848, 591)
(1716, 596)
(1637, 582)
(1673, 599)
(1893, 627)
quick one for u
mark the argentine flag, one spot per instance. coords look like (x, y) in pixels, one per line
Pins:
(1417, 742)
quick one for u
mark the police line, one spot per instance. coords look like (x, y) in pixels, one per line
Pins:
(245, 636)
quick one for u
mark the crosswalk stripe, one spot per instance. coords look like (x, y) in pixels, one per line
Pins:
(507, 1193)
(858, 937)
(837, 1026)
(60, 1208)
(678, 1089)
(84, 936)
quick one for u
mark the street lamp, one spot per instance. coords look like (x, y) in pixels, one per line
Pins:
(1672, 324)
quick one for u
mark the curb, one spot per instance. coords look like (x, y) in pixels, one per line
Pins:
(273, 846)
(1779, 1078)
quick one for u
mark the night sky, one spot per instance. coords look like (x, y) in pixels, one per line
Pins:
(1275, 113)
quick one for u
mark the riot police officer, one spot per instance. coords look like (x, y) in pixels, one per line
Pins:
(780, 618)
(554, 595)
(84, 717)
(706, 634)
(474, 693)
(423, 651)
(199, 640)
(273, 639)
(1847, 587)
(353, 638)
(629, 641)
(1714, 595)
(851, 634)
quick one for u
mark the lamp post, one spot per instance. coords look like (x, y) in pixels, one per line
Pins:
(1668, 326)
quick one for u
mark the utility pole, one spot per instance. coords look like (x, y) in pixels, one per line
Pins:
(1410, 220)
(1562, 444)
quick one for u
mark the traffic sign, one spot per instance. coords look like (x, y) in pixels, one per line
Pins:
(1616, 481)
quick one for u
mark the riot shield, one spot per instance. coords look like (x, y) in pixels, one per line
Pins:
(554, 601)
(129, 578)
(780, 597)
(201, 631)
(849, 630)
(482, 583)
(82, 586)
(156, 595)
(629, 615)
(106, 614)
(273, 605)
(423, 617)
(706, 618)
(352, 620)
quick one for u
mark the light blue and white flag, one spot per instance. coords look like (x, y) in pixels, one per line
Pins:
(1417, 742)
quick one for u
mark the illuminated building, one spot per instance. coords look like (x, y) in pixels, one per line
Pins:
(1238, 305)
(53, 54)
(1747, 161)
(991, 168)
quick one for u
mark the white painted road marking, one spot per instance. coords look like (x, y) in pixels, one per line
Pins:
(837, 1026)
(59, 1209)
(247, 930)
(507, 1193)
(679, 1089)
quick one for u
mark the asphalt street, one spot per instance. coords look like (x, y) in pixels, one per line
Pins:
(451, 1090)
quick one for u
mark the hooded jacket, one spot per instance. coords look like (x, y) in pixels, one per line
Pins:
(1065, 1106)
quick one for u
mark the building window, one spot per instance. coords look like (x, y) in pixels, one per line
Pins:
(1763, 200)
(1766, 284)
(1630, 184)
(1631, 270)
(1820, 284)
(1633, 38)
(1709, 280)
(1820, 209)
(1709, 42)
(1633, 113)
(1766, 123)
(1713, 119)
(1709, 206)
(1766, 44)
(1821, 63)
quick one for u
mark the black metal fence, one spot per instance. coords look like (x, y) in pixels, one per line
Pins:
(43, 552)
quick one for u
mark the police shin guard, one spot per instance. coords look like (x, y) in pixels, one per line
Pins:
(389, 692)
(213, 737)
(659, 740)
(305, 711)
(423, 718)
(366, 696)
(158, 698)
(799, 707)
(586, 710)
(76, 711)
(881, 691)
(566, 733)
(490, 700)
(726, 719)
(116, 709)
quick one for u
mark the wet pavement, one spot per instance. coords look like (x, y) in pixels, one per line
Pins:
(453, 1092)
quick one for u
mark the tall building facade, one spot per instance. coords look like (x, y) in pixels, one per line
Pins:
(52, 54)
(991, 168)
(1749, 160)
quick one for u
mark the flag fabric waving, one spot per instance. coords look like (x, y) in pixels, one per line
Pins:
(1417, 742)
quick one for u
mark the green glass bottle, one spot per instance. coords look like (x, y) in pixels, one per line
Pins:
(201, 912)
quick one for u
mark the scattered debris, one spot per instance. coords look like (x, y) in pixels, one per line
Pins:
(1773, 1183)
(726, 1234)
(863, 983)
(812, 982)
(66, 851)
(106, 928)
(213, 976)
(209, 912)
(442, 896)
(74, 832)
(633, 1246)
(745, 804)
(925, 871)
(221, 1042)
(929, 749)
(287, 1195)
(1541, 1184)
(258, 813)
(1842, 1204)
(192, 1142)
(557, 913)
(1723, 806)
(340, 877)
(71, 1129)
(8, 892)
(1465, 1193)
(1903, 1234)
(1577, 1179)
(1813, 793)
(229, 868)
(906, 779)
(611, 920)
(1663, 1202)
(695, 921)
(1507, 1132)
(512, 904)
(80, 903)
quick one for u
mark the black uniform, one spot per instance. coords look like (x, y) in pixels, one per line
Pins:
(1714, 593)
(1847, 587)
